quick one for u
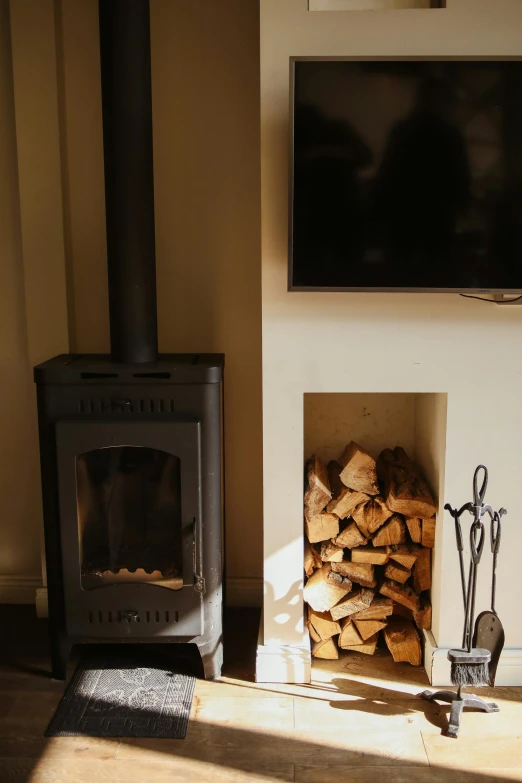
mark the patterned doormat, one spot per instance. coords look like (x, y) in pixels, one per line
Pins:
(122, 697)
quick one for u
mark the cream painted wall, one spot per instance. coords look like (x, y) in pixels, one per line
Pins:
(205, 73)
(52, 234)
(374, 421)
(19, 533)
(424, 343)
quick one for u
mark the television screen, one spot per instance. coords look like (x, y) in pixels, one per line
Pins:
(406, 175)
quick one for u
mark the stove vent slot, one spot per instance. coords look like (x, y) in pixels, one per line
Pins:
(95, 405)
(155, 617)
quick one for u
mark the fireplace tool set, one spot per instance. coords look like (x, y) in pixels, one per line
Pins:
(476, 663)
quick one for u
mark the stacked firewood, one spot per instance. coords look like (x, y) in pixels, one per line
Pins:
(370, 529)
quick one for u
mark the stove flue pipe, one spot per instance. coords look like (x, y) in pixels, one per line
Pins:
(129, 182)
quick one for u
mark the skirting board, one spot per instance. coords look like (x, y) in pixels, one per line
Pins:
(18, 589)
(509, 671)
(283, 663)
(241, 591)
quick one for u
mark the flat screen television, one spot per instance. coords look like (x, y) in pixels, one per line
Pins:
(406, 175)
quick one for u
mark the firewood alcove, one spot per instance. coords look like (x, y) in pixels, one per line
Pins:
(373, 474)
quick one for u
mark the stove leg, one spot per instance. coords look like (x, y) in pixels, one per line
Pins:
(212, 659)
(60, 651)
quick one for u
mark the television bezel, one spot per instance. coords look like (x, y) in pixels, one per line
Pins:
(372, 289)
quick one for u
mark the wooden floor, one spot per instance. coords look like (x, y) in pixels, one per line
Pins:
(359, 721)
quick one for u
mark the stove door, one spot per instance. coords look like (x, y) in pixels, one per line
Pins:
(130, 519)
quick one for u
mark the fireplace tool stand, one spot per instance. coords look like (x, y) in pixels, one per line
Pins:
(469, 665)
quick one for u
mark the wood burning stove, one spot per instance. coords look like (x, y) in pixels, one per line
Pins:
(130, 444)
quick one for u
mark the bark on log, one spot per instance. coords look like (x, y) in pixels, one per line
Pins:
(340, 581)
(320, 592)
(359, 470)
(403, 641)
(393, 532)
(406, 490)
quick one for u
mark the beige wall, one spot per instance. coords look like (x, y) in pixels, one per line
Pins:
(19, 534)
(399, 343)
(206, 134)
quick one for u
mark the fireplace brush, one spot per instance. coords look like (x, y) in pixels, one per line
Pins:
(469, 665)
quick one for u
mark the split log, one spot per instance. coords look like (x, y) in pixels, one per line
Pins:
(350, 537)
(371, 515)
(318, 493)
(403, 611)
(346, 502)
(340, 581)
(325, 649)
(428, 532)
(404, 554)
(397, 572)
(355, 602)
(314, 636)
(393, 532)
(406, 490)
(368, 628)
(423, 616)
(349, 633)
(401, 593)
(368, 647)
(359, 470)
(323, 624)
(320, 592)
(362, 573)
(379, 609)
(422, 570)
(320, 527)
(334, 471)
(309, 559)
(414, 526)
(403, 641)
(368, 554)
(331, 553)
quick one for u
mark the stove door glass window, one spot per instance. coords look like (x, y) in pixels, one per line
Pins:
(129, 517)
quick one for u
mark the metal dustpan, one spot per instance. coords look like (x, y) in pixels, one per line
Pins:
(489, 632)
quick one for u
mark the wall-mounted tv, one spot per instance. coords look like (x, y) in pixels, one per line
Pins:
(406, 175)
